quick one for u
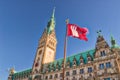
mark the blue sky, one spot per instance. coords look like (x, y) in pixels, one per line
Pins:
(23, 21)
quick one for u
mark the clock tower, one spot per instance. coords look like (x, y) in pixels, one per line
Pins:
(46, 48)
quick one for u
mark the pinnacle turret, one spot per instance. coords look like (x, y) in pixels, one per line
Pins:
(113, 42)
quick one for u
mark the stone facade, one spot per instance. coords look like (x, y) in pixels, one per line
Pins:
(100, 63)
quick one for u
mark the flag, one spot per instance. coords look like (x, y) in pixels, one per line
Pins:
(77, 32)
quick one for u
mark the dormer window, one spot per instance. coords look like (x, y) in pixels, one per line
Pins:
(89, 57)
(57, 66)
(74, 61)
(68, 63)
(102, 53)
(52, 67)
(81, 60)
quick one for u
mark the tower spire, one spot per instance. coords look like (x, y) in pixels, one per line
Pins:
(51, 23)
(53, 12)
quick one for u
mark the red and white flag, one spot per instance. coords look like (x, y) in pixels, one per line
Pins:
(77, 32)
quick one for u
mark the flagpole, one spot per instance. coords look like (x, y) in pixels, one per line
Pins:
(65, 47)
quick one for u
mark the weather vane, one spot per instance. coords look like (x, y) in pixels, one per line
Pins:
(99, 32)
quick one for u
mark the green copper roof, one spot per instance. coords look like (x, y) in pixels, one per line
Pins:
(51, 23)
(76, 56)
(22, 73)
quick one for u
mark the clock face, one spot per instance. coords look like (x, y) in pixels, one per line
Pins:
(49, 55)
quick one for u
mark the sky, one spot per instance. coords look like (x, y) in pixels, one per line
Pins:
(22, 23)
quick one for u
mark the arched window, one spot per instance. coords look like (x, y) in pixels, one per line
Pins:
(67, 79)
(108, 65)
(102, 53)
(90, 69)
(81, 71)
(46, 77)
(74, 72)
(67, 73)
(56, 75)
(36, 71)
(61, 74)
(40, 52)
(74, 78)
(101, 66)
(51, 76)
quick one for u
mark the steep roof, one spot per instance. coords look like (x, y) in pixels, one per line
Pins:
(22, 73)
(76, 56)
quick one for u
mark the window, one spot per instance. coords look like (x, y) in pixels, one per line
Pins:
(102, 53)
(108, 65)
(101, 66)
(40, 52)
(56, 75)
(74, 72)
(89, 69)
(89, 58)
(36, 71)
(74, 78)
(74, 62)
(67, 73)
(50, 76)
(81, 71)
(81, 60)
(61, 74)
(106, 78)
(46, 77)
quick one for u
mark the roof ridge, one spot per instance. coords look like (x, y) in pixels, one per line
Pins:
(22, 70)
(80, 53)
(75, 54)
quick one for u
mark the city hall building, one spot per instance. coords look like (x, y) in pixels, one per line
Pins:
(100, 63)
